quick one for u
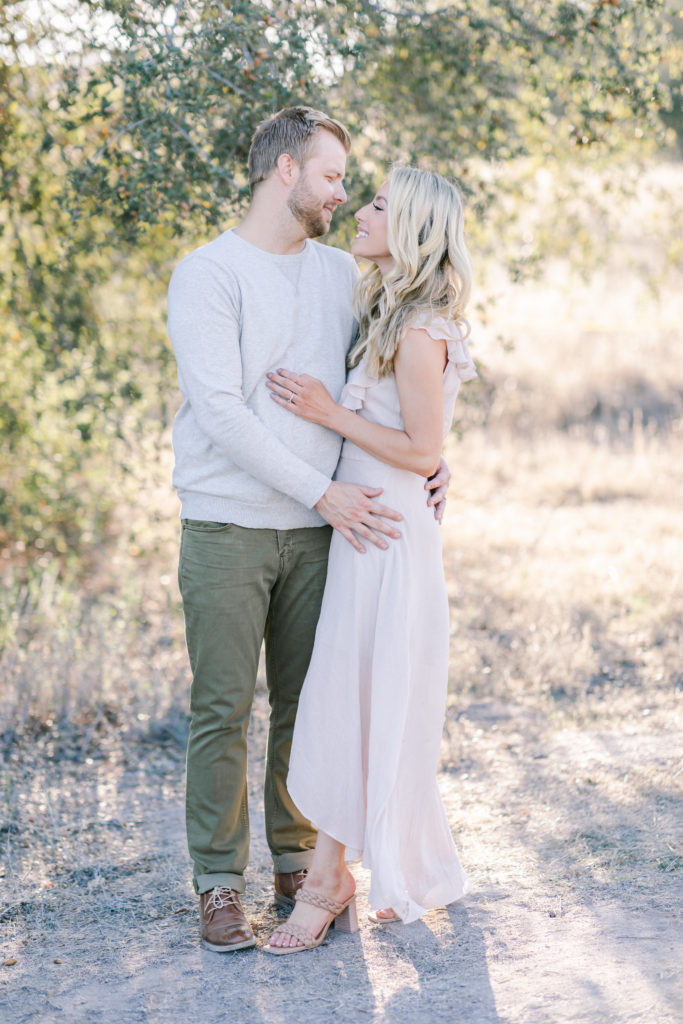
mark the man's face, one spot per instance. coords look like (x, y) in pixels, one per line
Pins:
(319, 190)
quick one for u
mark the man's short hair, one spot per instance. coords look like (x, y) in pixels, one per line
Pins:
(292, 130)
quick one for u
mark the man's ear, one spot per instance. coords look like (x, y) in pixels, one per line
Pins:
(287, 168)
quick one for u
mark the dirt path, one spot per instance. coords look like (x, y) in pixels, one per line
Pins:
(575, 914)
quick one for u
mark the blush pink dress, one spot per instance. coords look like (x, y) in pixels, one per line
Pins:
(366, 742)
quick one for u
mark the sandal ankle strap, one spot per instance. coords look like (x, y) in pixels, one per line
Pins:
(316, 900)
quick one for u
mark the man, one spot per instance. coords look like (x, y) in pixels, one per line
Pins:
(257, 492)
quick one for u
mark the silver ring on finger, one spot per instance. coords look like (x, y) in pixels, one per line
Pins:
(291, 396)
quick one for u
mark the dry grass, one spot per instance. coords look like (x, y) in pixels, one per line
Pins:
(77, 659)
(561, 764)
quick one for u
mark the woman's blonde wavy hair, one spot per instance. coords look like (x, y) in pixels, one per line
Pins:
(431, 271)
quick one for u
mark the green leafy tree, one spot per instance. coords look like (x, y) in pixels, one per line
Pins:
(182, 88)
(80, 372)
(124, 130)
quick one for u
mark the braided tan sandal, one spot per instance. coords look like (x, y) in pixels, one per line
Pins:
(344, 919)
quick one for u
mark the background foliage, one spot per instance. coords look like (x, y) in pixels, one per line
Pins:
(124, 130)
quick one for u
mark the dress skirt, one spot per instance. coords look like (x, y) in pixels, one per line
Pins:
(366, 743)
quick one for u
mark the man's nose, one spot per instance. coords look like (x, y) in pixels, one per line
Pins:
(340, 193)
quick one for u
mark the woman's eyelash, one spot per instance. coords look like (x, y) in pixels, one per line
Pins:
(376, 207)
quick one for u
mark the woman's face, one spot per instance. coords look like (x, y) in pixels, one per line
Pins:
(371, 241)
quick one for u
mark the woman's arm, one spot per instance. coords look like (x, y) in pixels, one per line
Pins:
(418, 368)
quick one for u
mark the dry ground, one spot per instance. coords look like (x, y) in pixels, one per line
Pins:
(562, 761)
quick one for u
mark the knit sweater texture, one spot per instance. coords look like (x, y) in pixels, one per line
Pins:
(236, 312)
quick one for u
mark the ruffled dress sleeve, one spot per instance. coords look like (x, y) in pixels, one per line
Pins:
(356, 387)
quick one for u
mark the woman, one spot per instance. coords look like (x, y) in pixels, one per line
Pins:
(368, 729)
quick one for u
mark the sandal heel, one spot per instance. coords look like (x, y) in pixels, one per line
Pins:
(347, 921)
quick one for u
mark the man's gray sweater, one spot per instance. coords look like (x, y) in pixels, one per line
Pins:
(236, 312)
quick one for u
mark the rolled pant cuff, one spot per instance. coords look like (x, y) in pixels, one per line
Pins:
(204, 883)
(286, 862)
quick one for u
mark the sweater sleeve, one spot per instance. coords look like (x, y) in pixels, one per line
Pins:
(203, 325)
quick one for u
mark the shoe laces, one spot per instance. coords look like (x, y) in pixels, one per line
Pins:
(221, 896)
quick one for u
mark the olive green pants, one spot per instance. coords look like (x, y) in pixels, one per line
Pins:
(240, 586)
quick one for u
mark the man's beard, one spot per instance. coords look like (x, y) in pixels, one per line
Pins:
(304, 206)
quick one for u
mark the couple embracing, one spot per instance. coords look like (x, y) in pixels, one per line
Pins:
(311, 503)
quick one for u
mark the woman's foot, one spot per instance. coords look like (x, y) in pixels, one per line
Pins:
(311, 918)
(386, 916)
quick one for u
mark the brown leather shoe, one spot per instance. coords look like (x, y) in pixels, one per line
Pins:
(224, 926)
(287, 883)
